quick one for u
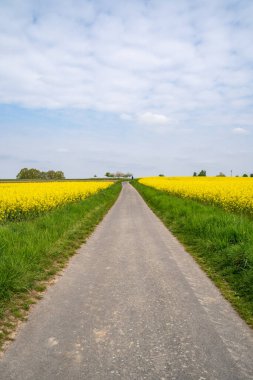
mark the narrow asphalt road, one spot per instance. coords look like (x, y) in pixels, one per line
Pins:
(131, 305)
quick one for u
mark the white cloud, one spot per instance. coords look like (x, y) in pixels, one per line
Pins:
(126, 57)
(240, 131)
(181, 67)
(149, 118)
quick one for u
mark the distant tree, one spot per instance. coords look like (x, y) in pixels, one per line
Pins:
(245, 175)
(221, 175)
(23, 174)
(251, 175)
(54, 175)
(26, 173)
(202, 173)
(50, 174)
(43, 175)
(37, 174)
(161, 175)
(118, 175)
(194, 174)
(108, 174)
(95, 176)
(59, 175)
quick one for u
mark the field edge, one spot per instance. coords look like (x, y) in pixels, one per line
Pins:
(198, 252)
(15, 308)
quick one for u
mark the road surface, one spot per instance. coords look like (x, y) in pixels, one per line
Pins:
(132, 304)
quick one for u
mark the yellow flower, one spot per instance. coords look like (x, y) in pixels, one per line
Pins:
(20, 199)
(233, 194)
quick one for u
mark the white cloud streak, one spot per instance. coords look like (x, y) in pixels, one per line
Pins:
(149, 118)
(240, 131)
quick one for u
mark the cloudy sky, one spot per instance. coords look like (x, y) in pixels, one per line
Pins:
(147, 86)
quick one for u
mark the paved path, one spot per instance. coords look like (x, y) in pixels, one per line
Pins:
(131, 305)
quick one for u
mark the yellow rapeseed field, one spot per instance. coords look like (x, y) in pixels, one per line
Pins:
(233, 194)
(20, 199)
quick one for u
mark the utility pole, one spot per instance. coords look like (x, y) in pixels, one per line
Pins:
(231, 172)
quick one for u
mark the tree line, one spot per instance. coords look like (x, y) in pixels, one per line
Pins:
(202, 173)
(32, 173)
(118, 175)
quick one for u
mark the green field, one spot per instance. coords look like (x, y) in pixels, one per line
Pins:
(32, 251)
(220, 241)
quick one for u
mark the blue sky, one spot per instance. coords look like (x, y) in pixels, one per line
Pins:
(142, 86)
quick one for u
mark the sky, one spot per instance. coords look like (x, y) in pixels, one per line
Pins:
(142, 86)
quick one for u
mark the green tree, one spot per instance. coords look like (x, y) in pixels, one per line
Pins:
(23, 174)
(194, 174)
(43, 175)
(50, 174)
(26, 173)
(108, 174)
(59, 174)
(245, 175)
(202, 173)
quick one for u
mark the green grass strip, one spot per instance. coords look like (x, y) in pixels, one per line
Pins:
(34, 250)
(220, 241)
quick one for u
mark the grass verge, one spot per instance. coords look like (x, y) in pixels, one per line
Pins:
(221, 242)
(33, 251)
